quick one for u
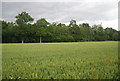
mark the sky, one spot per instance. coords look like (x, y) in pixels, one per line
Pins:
(103, 12)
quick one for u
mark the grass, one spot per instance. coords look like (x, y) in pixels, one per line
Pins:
(81, 60)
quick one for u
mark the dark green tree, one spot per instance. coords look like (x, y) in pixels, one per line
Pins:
(23, 29)
(86, 32)
(42, 22)
(23, 18)
(74, 30)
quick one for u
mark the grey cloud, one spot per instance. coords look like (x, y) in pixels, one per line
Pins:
(60, 11)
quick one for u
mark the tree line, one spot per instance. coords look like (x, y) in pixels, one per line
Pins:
(23, 30)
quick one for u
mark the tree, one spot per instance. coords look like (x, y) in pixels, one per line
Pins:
(86, 32)
(23, 18)
(84, 25)
(9, 33)
(42, 22)
(23, 30)
(115, 36)
(61, 33)
(109, 32)
(73, 23)
(74, 30)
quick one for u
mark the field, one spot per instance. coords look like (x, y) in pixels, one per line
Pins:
(80, 60)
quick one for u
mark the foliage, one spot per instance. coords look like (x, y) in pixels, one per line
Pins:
(23, 30)
(23, 18)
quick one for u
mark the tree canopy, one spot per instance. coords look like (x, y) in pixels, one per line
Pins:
(23, 18)
(23, 29)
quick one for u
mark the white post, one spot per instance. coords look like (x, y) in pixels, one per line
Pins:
(40, 39)
(22, 41)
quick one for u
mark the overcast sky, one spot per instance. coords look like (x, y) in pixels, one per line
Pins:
(92, 12)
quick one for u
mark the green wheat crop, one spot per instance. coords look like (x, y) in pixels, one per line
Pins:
(80, 60)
